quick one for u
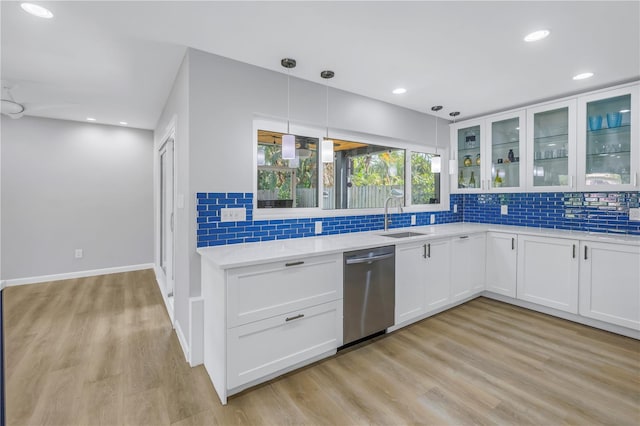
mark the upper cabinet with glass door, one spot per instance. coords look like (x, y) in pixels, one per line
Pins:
(467, 147)
(608, 140)
(551, 147)
(506, 134)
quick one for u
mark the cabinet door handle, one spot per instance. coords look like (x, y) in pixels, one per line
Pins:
(294, 317)
(635, 179)
(585, 252)
(513, 243)
(464, 236)
(574, 251)
(570, 181)
(424, 251)
(301, 262)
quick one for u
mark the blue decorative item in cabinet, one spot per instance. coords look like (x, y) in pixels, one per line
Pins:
(212, 232)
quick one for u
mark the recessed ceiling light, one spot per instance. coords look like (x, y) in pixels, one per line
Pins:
(36, 10)
(583, 76)
(91, 119)
(399, 91)
(124, 123)
(536, 35)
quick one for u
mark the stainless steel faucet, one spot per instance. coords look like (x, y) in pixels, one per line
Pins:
(387, 219)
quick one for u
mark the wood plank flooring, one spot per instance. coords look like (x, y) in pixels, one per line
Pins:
(101, 351)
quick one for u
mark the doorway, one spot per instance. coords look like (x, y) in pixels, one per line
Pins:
(167, 219)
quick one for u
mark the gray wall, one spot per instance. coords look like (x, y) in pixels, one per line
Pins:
(218, 99)
(176, 115)
(68, 185)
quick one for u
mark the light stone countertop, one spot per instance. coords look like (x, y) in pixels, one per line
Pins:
(238, 255)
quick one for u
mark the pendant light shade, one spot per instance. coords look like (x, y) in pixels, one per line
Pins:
(327, 144)
(288, 140)
(288, 147)
(453, 164)
(436, 162)
(261, 156)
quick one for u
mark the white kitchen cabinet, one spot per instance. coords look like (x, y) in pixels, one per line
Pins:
(502, 263)
(610, 283)
(263, 291)
(411, 272)
(467, 146)
(266, 319)
(468, 256)
(504, 158)
(551, 147)
(261, 348)
(548, 272)
(422, 278)
(608, 140)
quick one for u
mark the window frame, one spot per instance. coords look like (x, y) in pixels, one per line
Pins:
(264, 123)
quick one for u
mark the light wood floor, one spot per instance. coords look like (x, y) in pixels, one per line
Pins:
(101, 351)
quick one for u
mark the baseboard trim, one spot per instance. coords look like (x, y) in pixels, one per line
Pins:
(3, 284)
(196, 328)
(182, 340)
(162, 286)
(79, 274)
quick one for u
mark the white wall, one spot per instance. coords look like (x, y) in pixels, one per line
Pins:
(69, 185)
(218, 99)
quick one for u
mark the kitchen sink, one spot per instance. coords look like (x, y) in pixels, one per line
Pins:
(403, 234)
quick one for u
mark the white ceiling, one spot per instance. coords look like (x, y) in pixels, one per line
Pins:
(116, 61)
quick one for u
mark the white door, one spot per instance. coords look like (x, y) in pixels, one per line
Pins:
(437, 273)
(501, 263)
(410, 281)
(167, 215)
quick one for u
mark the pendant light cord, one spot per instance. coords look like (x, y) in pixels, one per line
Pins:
(288, 98)
(327, 112)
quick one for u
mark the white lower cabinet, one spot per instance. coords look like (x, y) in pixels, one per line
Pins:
(502, 260)
(610, 283)
(422, 278)
(548, 272)
(469, 253)
(258, 349)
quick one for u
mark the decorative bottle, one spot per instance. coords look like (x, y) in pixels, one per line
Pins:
(511, 156)
(461, 180)
(472, 181)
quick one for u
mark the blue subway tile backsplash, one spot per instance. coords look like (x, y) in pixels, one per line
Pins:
(595, 212)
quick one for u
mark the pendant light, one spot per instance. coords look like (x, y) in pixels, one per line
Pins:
(288, 140)
(453, 164)
(327, 144)
(436, 163)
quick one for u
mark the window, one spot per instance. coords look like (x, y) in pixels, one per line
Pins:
(287, 183)
(425, 185)
(361, 175)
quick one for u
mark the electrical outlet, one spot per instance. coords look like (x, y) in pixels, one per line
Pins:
(634, 214)
(236, 214)
(79, 253)
(413, 219)
(455, 208)
(504, 209)
(318, 227)
(432, 219)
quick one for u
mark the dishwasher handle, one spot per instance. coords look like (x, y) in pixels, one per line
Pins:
(366, 259)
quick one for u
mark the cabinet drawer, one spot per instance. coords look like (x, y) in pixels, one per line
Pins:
(263, 291)
(264, 347)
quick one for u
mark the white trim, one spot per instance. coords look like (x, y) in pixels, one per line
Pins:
(78, 274)
(182, 340)
(196, 330)
(3, 284)
(161, 286)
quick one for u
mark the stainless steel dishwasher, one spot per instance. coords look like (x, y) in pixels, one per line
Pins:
(369, 292)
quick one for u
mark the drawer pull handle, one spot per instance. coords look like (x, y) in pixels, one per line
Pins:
(424, 252)
(429, 250)
(301, 262)
(574, 251)
(294, 318)
(513, 243)
(464, 236)
(585, 252)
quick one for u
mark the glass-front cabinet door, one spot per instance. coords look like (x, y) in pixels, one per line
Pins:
(551, 147)
(506, 134)
(468, 146)
(608, 140)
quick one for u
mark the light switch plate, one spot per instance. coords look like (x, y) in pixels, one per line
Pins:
(455, 208)
(237, 214)
(413, 219)
(318, 227)
(432, 219)
(634, 214)
(504, 209)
